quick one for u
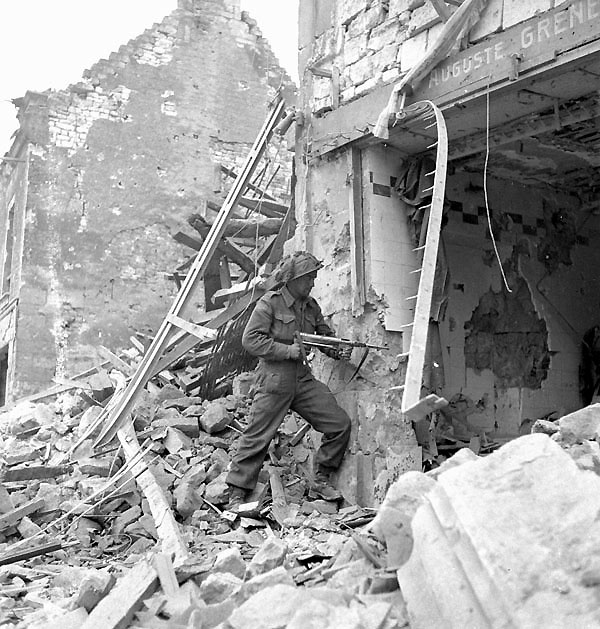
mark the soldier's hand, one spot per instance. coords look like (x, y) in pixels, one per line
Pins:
(344, 352)
(295, 351)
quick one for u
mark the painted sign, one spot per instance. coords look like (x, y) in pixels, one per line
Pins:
(520, 47)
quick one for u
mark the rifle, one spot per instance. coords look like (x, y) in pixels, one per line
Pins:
(315, 340)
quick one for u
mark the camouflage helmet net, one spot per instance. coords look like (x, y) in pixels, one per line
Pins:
(295, 265)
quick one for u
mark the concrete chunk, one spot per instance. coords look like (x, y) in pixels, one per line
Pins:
(504, 540)
(270, 555)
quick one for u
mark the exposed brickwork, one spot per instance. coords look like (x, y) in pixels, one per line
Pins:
(374, 42)
(119, 160)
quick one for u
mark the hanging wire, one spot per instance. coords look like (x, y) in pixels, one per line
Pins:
(485, 189)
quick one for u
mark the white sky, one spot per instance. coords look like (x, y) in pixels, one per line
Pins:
(49, 43)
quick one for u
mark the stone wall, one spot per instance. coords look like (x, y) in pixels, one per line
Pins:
(374, 42)
(119, 160)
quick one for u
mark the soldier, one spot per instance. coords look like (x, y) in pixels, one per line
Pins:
(285, 381)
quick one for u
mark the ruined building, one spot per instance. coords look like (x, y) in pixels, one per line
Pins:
(101, 173)
(514, 91)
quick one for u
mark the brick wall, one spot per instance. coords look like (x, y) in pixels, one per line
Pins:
(119, 160)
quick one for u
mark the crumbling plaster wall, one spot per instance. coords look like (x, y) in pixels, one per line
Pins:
(13, 199)
(119, 161)
(382, 443)
(565, 302)
(373, 42)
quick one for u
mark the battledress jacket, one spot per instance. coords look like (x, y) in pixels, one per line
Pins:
(276, 317)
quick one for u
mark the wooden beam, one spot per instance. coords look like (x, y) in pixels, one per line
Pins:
(357, 238)
(14, 515)
(226, 247)
(262, 193)
(264, 206)
(441, 9)
(200, 332)
(242, 227)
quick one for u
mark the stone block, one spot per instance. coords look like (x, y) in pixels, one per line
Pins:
(392, 525)
(361, 71)
(215, 418)
(398, 6)
(355, 48)
(390, 32)
(422, 19)
(231, 561)
(93, 589)
(504, 541)
(349, 9)
(580, 425)
(515, 11)
(277, 576)
(187, 422)
(412, 51)
(217, 491)
(269, 556)
(364, 22)
(219, 586)
(270, 608)
(176, 440)
(28, 528)
(187, 499)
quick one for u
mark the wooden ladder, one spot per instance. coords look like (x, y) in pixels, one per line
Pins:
(175, 323)
(412, 405)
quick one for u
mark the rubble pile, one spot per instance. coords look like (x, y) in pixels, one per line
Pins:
(504, 539)
(288, 561)
(509, 539)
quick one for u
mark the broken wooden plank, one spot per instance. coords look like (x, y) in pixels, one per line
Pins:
(266, 207)
(167, 528)
(231, 173)
(36, 551)
(279, 508)
(166, 574)
(12, 517)
(33, 472)
(225, 247)
(239, 227)
(114, 360)
(199, 331)
(426, 405)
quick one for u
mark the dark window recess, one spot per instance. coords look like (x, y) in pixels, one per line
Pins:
(8, 251)
(381, 190)
(3, 373)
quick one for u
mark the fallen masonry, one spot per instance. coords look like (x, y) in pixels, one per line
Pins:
(137, 535)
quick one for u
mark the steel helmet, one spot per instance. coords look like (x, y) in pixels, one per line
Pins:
(296, 265)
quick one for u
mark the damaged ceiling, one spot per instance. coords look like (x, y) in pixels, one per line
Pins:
(544, 132)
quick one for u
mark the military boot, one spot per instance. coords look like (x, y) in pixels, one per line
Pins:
(323, 488)
(237, 497)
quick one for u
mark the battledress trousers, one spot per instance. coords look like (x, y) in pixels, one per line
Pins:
(284, 384)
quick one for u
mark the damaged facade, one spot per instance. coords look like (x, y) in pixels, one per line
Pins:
(445, 161)
(103, 174)
(516, 286)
